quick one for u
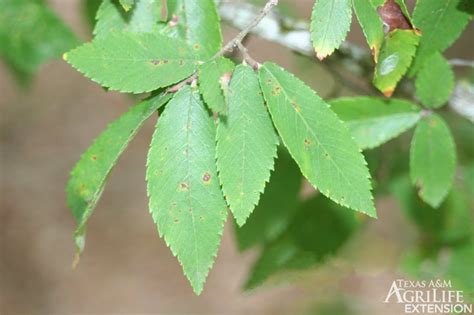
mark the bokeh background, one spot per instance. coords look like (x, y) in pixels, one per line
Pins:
(126, 267)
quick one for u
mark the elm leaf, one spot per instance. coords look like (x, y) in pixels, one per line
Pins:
(330, 23)
(135, 63)
(435, 81)
(186, 201)
(211, 75)
(441, 23)
(432, 160)
(246, 144)
(374, 121)
(395, 58)
(317, 139)
(371, 24)
(88, 177)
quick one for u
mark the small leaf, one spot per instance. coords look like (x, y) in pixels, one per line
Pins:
(319, 142)
(374, 121)
(127, 4)
(31, 34)
(89, 175)
(277, 205)
(198, 23)
(211, 74)
(246, 144)
(395, 57)
(134, 63)
(435, 81)
(186, 201)
(142, 19)
(330, 22)
(441, 23)
(432, 160)
(371, 25)
(318, 230)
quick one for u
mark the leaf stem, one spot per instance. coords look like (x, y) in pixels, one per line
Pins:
(237, 40)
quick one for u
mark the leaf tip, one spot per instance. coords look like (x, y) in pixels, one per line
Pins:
(320, 55)
(388, 92)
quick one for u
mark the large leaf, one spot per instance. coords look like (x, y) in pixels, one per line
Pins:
(212, 77)
(395, 57)
(432, 159)
(319, 142)
(143, 18)
(441, 23)
(435, 81)
(31, 34)
(246, 144)
(318, 230)
(277, 205)
(185, 197)
(136, 63)
(374, 121)
(89, 175)
(330, 22)
(371, 24)
(198, 23)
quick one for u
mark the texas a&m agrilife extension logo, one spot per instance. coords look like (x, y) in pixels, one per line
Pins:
(428, 297)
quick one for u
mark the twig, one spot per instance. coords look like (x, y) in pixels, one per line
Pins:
(461, 62)
(247, 58)
(237, 40)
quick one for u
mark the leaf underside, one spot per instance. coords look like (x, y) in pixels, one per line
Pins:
(186, 201)
(246, 144)
(319, 142)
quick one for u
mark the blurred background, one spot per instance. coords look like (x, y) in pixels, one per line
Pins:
(126, 268)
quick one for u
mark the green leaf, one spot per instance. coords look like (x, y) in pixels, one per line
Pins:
(395, 57)
(330, 22)
(319, 142)
(441, 23)
(211, 74)
(246, 144)
(277, 205)
(142, 19)
(127, 4)
(136, 63)
(185, 197)
(432, 159)
(31, 34)
(199, 24)
(435, 81)
(371, 24)
(88, 177)
(319, 229)
(374, 121)
(450, 223)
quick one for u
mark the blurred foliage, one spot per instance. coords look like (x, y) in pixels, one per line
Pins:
(31, 34)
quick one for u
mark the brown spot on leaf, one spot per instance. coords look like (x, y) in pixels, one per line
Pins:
(206, 178)
(393, 17)
(276, 90)
(307, 142)
(94, 157)
(155, 62)
(197, 46)
(184, 186)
